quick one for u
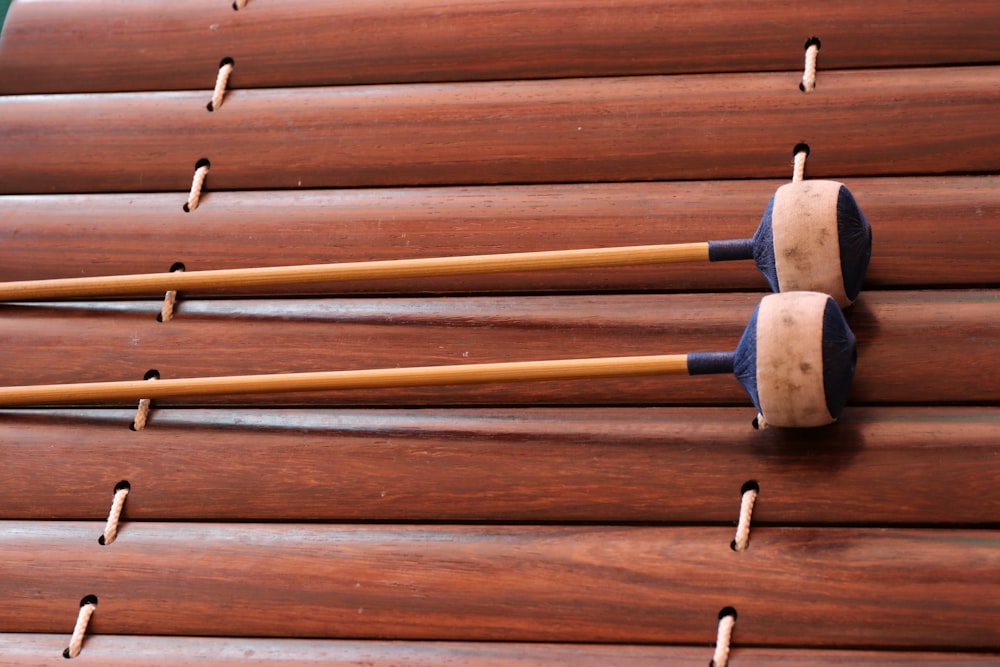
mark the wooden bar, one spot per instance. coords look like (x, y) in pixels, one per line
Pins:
(146, 45)
(473, 583)
(914, 347)
(878, 466)
(126, 651)
(920, 225)
(569, 130)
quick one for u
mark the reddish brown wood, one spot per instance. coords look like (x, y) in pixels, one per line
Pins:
(849, 587)
(112, 651)
(921, 226)
(147, 45)
(914, 347)
(596, 129)
(883, 466)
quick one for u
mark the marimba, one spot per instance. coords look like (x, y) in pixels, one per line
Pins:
(563, 522)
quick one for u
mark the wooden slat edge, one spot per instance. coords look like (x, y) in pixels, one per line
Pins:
(914, 347)
(80, 46)
(693, 127)
(22, 650)
(921, 227)
(882, 466)
(562, 584)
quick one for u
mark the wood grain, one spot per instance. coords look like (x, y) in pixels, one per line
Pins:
(145, 45)
(914, 347)
(564, 584)
(878, 466)
(920, 226)
(569, 130)
(113, 651)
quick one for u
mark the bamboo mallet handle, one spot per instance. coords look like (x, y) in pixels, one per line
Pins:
(151, 283)
(420, 376)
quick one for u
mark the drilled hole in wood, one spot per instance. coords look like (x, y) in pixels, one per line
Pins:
(87, 606)
(812, 48)
(114, 516)
(151, 374)
(171, 295)
(746, 507)
(727, 619)
(225, 69)
(201, 168)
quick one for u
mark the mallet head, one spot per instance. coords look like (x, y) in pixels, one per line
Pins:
(814, 237)
(796, 359)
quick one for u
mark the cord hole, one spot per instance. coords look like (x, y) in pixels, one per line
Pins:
(813, 41)
(87, 599)
(222, 63)
(750, 485)
(151, 374)
(176, 266)
(800, 148)
(203, 162)
(723, 613)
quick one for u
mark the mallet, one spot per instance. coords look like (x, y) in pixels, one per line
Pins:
(812, 236)
(796, 360)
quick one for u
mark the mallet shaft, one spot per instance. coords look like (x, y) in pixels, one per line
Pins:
(151, 283)
(420, 376)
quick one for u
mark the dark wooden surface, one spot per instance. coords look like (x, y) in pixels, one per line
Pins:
(920, 225)
(878, 466)
(113, 651)
(147, 45)
(596, 129)
(913, 347)
(848, 586)
(601, 523)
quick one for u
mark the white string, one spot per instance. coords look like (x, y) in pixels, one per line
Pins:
(196, 184)
(761, 423)
(225, 69)
(169, 302)
(80, 629)
(111, 527)
(742, 540)
(799, 166)
(142, 411)
(809, 75)
(721, 656)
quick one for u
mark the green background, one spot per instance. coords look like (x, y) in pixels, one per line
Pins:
(4, 4)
